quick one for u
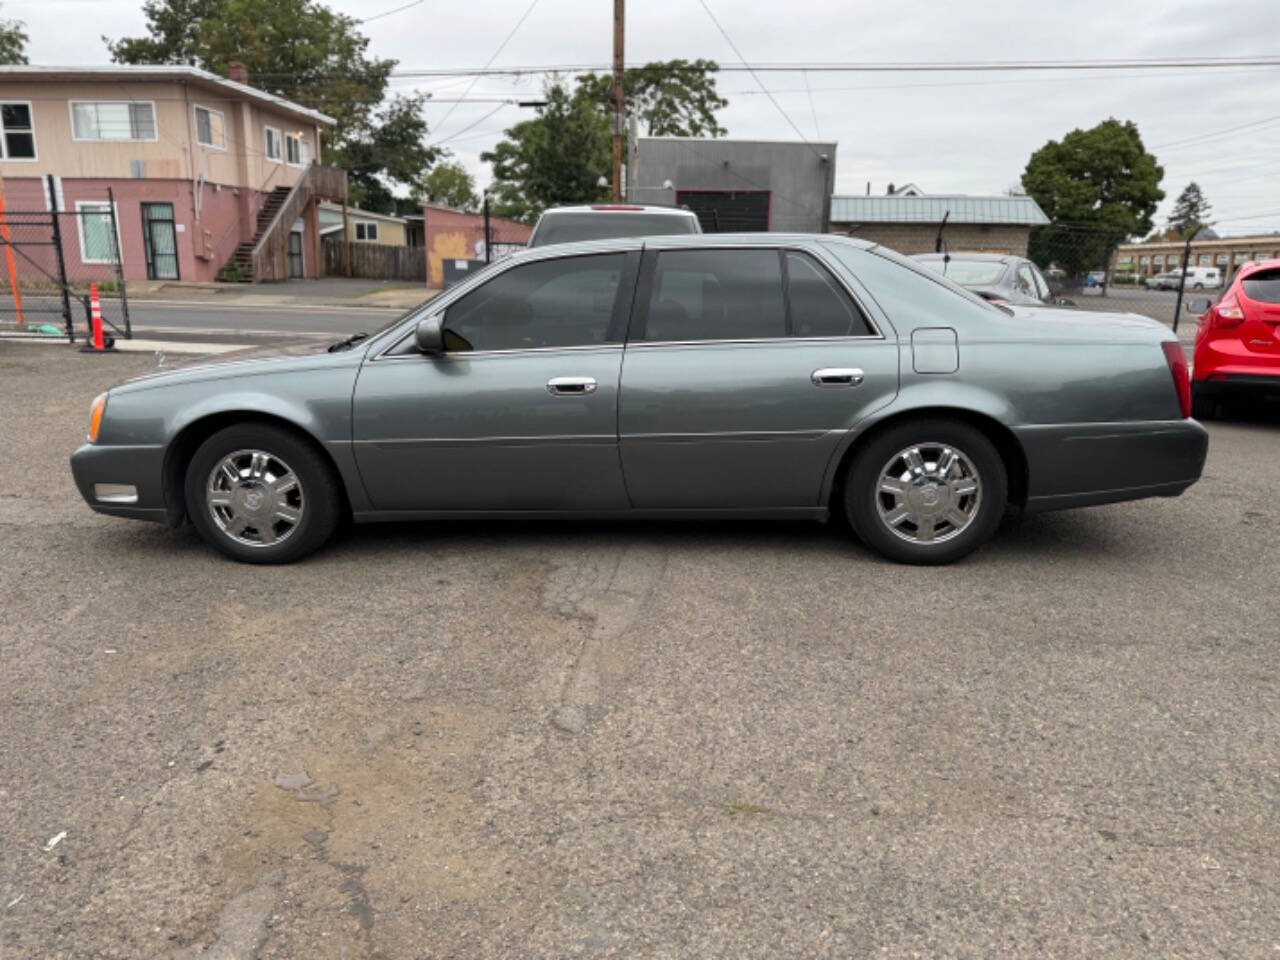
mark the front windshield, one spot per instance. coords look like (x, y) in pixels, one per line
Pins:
(967, 273)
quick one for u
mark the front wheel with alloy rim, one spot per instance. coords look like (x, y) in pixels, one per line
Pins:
(926, 491)
(261, 494)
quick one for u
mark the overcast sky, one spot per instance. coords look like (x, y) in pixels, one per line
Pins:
(949, 133)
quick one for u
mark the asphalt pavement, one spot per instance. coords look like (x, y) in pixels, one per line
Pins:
(659, 740)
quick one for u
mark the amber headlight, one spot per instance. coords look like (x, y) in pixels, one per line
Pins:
(95, 416)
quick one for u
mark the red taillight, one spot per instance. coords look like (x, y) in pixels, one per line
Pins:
(1226, 314)
(1177, 360)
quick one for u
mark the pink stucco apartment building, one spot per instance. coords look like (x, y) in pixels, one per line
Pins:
(209, 174)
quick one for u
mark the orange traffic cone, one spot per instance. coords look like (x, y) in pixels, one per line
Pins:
(97, 342)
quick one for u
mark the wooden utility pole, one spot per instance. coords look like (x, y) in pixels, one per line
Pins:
(619, 108)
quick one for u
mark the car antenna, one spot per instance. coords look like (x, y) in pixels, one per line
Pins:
(937, 243)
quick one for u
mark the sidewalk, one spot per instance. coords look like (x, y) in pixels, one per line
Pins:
(326, 292)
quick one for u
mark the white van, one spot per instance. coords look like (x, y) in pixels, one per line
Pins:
(1203, 278)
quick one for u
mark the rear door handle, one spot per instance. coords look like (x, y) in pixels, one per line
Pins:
(571, 386)
(836, 377)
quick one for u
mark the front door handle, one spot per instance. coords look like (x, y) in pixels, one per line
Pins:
(571, 386)
(836, 377)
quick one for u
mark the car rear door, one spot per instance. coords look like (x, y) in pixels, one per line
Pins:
(744, 369)
(520, 410)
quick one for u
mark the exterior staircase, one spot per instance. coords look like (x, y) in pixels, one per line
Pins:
(240, 265)
(265, 257)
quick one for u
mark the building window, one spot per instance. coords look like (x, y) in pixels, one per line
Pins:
(297, 150)
(273, 144)
(366, 230)
(1157, 261)
(98, 242)
(1204, 259)
(17, 135)
(124, 120)
(1144, 262)
(211, 128)
(1221, 259)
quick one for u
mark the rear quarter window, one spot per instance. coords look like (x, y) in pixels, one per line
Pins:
(1263, 286)
(907, 292)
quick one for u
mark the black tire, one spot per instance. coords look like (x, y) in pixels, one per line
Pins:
(1203, 406)
(862, 484)
(318, 491)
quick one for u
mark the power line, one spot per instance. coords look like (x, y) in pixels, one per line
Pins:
(502, 46)
(772, 99)
(387, 13)
(817, 127)
(1216, 133)
(473, 125)
(958, 66)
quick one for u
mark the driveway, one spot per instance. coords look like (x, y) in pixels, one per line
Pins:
(659, 740)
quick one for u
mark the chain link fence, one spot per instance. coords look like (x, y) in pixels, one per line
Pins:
(52, 259)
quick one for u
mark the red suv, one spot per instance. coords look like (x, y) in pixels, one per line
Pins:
(1238, 343)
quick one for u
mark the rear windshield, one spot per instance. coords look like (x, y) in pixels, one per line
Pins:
(1263, 286)
(967, 273)
(603, 225)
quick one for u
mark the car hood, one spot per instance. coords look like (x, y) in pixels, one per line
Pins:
(252, 360)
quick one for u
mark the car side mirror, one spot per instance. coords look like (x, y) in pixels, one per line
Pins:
(1197, 306)
(429, 334)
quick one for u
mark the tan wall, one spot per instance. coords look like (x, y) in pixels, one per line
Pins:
(909, 238)
(174, 154)
(390, 232)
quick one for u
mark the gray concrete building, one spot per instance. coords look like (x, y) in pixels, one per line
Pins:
(733, 185)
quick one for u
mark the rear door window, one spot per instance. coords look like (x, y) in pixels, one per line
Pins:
(716, 295)
(819, 305)
(1263, 286)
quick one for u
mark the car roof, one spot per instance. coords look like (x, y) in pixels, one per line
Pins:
(620, 207)
(677, 241)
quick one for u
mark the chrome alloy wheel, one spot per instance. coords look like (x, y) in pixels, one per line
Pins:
(254, 498)
(928, 493)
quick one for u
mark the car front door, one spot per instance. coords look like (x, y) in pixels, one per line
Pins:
(744, 370)
(520, 410)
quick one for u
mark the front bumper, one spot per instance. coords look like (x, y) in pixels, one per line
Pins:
(139, 467)
(1082, 464)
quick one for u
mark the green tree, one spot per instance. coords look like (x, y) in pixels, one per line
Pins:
(672, 98)
(13, 41)
(1190, 211)
(450, 184)
(1099, 187)
(301, 50)
(557, 157)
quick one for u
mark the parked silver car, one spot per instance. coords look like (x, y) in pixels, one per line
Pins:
(605, 221)
(729, 376)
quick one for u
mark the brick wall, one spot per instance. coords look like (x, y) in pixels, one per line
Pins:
(909, 238)
(456, 235)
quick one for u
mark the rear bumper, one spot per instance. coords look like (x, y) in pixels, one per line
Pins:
(1223, 384)
(1081, 464)
(138, 467)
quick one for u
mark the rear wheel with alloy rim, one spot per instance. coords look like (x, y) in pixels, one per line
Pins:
(926, 491)
(261, 494)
